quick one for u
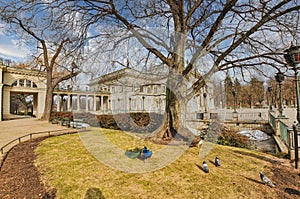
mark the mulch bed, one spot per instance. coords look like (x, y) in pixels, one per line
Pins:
(19, 178)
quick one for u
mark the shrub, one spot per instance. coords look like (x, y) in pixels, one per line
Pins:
(61, 115)
(135, 122)
(231, 138)
(107, 121)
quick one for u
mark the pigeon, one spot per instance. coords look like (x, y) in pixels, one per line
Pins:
(205, 167)
(266, 180)
(217, 162)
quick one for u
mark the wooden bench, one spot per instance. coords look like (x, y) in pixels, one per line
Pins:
(77, 123)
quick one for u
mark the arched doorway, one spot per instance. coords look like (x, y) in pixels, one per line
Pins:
(23, 104)
(22, 91)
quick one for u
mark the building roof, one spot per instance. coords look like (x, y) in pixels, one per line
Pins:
(23, 71)
(127, 72)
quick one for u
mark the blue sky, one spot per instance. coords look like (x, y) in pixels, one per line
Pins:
(9, 47)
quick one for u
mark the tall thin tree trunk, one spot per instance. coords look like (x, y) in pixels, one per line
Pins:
(49, 99)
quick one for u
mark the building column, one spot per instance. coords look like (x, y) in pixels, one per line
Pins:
(86, 103)
(78, 102)
(95, 103)
(36, 105)
(58, 103)
(69, 102)
(102, 107)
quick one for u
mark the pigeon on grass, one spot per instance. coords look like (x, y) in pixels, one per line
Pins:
(205, 167)
(217, 162)
(266, 180)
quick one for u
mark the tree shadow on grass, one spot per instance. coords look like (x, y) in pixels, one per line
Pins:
(94, 193)
(255, 156)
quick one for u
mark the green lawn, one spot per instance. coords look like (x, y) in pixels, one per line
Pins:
(95, 159)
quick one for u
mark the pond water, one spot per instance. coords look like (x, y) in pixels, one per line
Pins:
(260, 140)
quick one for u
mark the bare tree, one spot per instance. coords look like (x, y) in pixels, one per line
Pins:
(189, 37)
(232, 34)
(54, 42)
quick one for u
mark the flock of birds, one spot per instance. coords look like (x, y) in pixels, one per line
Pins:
(263, 178)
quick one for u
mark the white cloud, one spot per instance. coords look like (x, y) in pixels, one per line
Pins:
(13, 51)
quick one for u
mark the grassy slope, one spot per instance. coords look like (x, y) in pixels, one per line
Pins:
(69, 167)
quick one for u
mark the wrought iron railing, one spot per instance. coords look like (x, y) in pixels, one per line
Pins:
(30, 136)
(284, 130)
(272, 121)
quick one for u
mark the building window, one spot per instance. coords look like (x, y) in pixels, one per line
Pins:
(24, 83)
(28, 83)
(21, 82)
(141, 89)
(112, 89)
(155, 89)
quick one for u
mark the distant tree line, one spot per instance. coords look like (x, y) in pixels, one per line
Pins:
(255, 93)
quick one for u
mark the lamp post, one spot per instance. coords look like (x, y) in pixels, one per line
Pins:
(205, 104)
(292, 57)
(129, 104)
(143, 103)
(279, 78)
(296, 144)
(234, 101)
(270, 89)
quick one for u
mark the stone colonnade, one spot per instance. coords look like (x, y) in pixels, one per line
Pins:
(82, 102)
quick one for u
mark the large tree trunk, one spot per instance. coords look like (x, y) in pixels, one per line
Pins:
(173, 129)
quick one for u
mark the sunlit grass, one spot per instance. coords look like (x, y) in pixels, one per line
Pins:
(67, 165)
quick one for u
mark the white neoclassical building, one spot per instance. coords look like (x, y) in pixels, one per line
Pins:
(124, 90)
(136, 91)
(132, 91)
